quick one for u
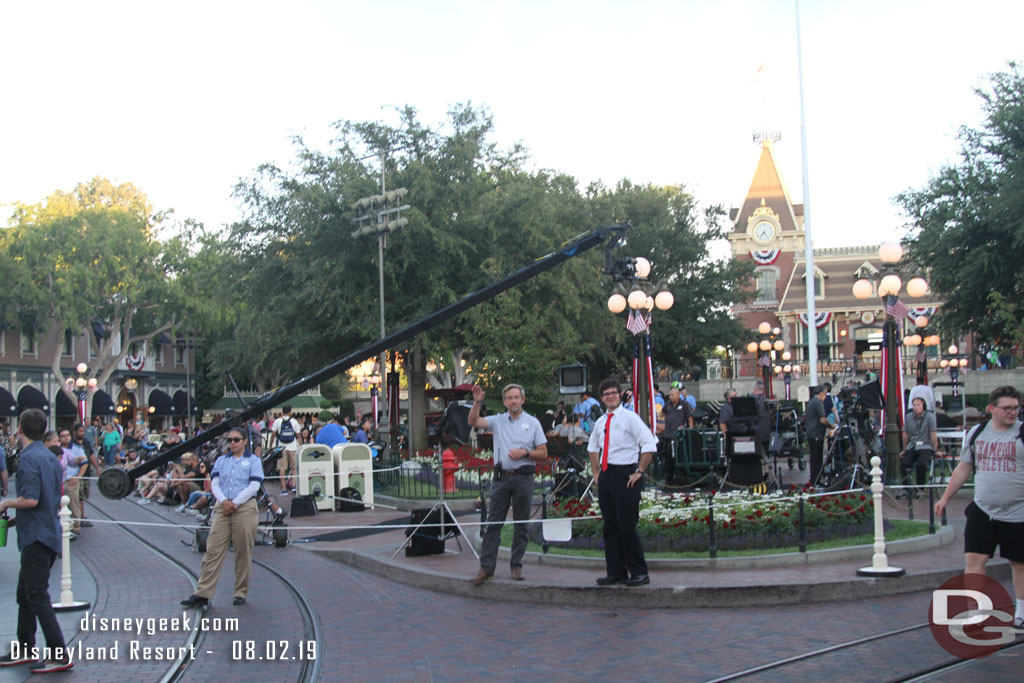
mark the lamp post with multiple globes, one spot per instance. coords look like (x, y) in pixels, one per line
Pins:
(81, 386)
(633, 290)
(888, 288)
(769, 342)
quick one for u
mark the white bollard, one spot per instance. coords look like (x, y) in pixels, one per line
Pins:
(67, 599)
(879, 561)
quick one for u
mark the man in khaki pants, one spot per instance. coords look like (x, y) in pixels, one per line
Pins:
(77, 464)
(235, 480)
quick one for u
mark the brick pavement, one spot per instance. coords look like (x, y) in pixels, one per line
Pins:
(382, 630)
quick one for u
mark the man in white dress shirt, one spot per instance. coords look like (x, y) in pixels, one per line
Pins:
(621, 447)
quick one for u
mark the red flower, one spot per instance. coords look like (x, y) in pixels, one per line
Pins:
(759, 513)
(785, 514)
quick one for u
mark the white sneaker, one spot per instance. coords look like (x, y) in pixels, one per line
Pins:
(180, 508)
(143, 501)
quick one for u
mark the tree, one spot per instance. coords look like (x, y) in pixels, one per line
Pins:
(92, 255)
(966, 225)
(306, 289)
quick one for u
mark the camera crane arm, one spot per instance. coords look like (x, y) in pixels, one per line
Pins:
(118, 483)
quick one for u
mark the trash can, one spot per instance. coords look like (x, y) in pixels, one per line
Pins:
(316, 474)
(353, 463)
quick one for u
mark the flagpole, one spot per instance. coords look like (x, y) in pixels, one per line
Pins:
(812, 332)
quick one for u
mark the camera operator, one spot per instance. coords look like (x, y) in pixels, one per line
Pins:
(920, 441)
(817, 423)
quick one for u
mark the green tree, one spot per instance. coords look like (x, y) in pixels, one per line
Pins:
(966, 225)
(305, 290)
(93, 255)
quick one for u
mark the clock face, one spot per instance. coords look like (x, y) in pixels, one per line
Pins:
(764, 232)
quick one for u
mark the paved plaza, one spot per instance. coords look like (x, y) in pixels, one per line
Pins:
(416, 618)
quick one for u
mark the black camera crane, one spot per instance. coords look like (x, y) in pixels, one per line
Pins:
(118, 483)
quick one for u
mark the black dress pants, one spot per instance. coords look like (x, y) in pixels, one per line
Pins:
(34, 597)
(817, 448)
(620, 512)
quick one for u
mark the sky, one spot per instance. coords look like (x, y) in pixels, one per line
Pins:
(184, 99)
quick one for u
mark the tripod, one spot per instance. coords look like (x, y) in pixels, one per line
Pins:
(447, 518)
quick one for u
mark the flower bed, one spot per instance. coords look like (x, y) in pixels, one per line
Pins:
(743, 521)
(473, 466)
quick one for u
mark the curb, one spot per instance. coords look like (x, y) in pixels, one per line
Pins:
(654, 596)
(943, 536)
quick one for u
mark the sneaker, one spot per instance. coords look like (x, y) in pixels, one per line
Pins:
(143, 501)
(51, 666)
(180, 508)
(284, 492)
(84, 524)
(8, 660)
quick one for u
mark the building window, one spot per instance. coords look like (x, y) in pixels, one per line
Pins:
(179, 354)
(765, 279)
(158, 353)
(28, 343)
(867, 342)
(819, 286)
(69, 345)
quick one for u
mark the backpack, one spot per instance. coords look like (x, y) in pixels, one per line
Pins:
(287, 433)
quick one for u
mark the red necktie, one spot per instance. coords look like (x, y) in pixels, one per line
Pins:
(607, 436)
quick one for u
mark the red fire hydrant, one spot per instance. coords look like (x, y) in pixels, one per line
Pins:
(448, 468)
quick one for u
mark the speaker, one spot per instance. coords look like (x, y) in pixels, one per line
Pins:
(572, 379)
(455, 422)
(350, 494)
(427, 540)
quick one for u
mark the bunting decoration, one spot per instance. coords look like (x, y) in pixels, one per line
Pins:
(820, 319)
(765, 257)
(898, 388)
(652, 405)
(926, 311)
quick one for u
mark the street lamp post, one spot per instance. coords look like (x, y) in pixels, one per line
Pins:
(633, 290)
(769, 343)
(888, 288)
(81, 385)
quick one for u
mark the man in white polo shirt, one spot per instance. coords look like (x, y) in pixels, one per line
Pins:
(621, 447)
(519, 442)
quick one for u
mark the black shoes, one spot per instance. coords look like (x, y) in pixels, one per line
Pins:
(632, 582)
(610, 580)
(238, 601)
(194, 601)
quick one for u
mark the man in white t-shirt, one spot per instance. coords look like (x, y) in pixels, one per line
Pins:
(994, 452)
(285, 431)
(923, 391)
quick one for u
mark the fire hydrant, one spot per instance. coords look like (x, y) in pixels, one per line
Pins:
(448, 468)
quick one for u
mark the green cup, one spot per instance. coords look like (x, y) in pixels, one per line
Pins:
(3, 532)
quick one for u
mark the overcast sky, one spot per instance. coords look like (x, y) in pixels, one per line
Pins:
(184, 98)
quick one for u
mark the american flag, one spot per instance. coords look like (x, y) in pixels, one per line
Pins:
(764, 361)
(636, 322)
(896, 308)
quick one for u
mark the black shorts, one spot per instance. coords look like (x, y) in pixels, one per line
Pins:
(982, 534)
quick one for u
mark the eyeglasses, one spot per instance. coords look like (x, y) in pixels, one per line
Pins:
(234, 439)
(1009, 409)
(612, 392)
